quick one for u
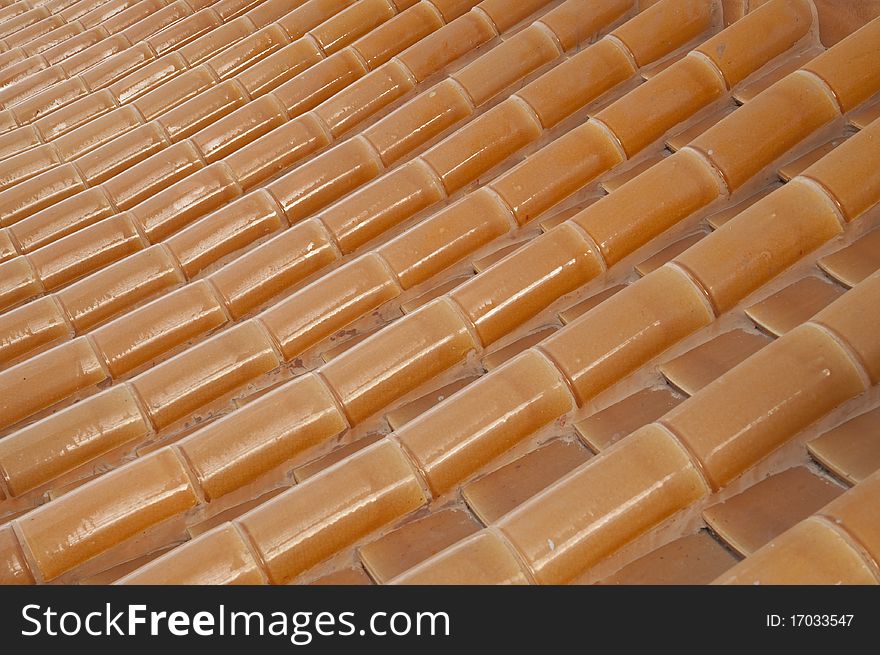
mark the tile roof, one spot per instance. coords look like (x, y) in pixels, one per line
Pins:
(274, 273)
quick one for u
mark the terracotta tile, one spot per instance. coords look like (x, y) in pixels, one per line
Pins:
(481, 559)
(434, 292)
(852, 264)
(557, 170)
(508, 62)
(489, 260)
(225, 231)
(855, 512)
(520, 286)
(19, 140)
(851, 450)
(792, 221)
(569, 24)
(222, 556)
(264, 157)
(62, 219)
(786, 309)
(329, 304)
(179, 386)
(771, 396)
(226, 35)
(312, 468)
(262, 273)
(789, 64)
(463, 434)
(579, 309)
(229, 130)
(28, 164)
(18, 282)
(718, 219)
(499, 492)
(148, 332)
(157, 172)
(325, 80)
(850, 69)
(446, 237)
(416, 541)
(667, 254)
(399, 33)
(344, 344)
(305, 190)
(376, 208)
(350, 23)
(353, 105)
(609, 425)
(238, 448)
(37, 193)
(812, 552)
(349, 576)
(279, 67)
(616, 181)
(850, 318)
(405, 413)
(82, 252)
(799, 165)
(577, 81)
(679, 22)
(114, 573)
(707, 362)
(437, 50)
(175, 92)
(409, 352)
(652, 71)
(680, 139)
(37, 324)
(90, 127)
(498, 357)
(44, 451)
(763, 34)
(603, 504)
(14, 568)
(483, 143)
(864, 116)
(652, 109)
(239, 56)
(62, 371)
(848, 172)
(631, 217)
(696, 559)
(376, 486)
(207, 110)
(760, 132)
(119, 505)
(132, 280)
(765, 510)
(627, 331)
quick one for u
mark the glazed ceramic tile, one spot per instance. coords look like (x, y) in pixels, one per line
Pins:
(405, 413)
(698, 367)
(499, 356)
(500, 491)
(812, 552)
(770, 397)
(482, 559)
(312, 468)
(696, 559)
(796, 303)
(401, 549)
(765, 510)
(851, 450)
(605, 427)
(852, 264)
(667, 254)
